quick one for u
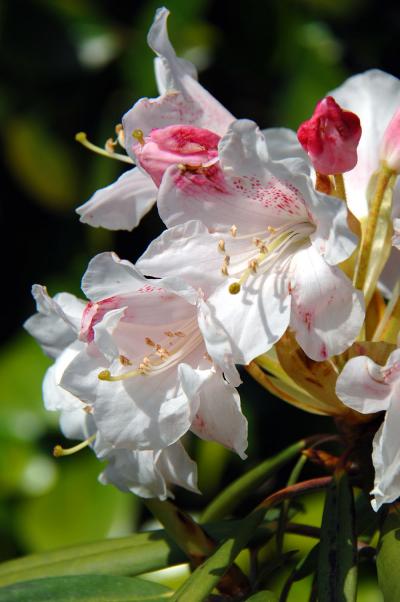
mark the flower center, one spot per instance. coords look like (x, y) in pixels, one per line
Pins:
(173, 348)
(266, 250)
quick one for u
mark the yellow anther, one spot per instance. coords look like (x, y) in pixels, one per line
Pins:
(179, 333)
(59, 451)
(221, 246)
(138, 135)
(227, 260)
(234, 288)
(110, 145)
(125, 361)
(224, 270)
(233, 230)
(104, 375)
(119, 128)
(271, 229)
(149, 342)
(168, 333)
(81, 137)
(253, 265)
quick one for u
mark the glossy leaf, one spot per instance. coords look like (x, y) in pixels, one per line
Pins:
(388, 556)
(337, 562)
(85, 588)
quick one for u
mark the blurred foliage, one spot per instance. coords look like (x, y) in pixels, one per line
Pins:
(72, 65)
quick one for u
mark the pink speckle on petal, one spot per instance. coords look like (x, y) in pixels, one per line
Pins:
(93, 314)
(323, 351)
(281, 197)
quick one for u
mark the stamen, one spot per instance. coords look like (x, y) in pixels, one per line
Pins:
(149, 342)
(233, 230)
(59, 451)
(107, 376)
(125, 361)
(138, 135)
(81, 137)
(119, 130)
(221, 245)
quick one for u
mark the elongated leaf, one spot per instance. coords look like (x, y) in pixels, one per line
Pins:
(206, 576)
(133, 555)
(337, 563)
(86, 588)
(388, 557)
(232, 496)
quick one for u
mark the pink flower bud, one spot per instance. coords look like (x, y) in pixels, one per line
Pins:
(175, 144)
(331, 137)
(390, 148)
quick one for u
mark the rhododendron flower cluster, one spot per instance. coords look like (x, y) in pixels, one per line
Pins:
(274, 248)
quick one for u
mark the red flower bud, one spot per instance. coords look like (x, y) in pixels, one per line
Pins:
(331, 137)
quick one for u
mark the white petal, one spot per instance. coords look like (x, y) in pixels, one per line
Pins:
(327, 312)
(108, 276)
(56, 397)
(219, 417)
(256, 317)
(218, 344)
(188, 251)
(80, 377)
(144, 412)
(374, 96)
(386, 456)
(361, 386)
(77, 424)
(121, 205)
(51, 326)
(282, 144)
(213, 115)
(177, 467)
(135, 471)
(396, 235)
(103, 333)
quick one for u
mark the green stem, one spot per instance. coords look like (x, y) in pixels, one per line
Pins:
(293, 478)
(207, 576)
(384, 176)
(236, 492)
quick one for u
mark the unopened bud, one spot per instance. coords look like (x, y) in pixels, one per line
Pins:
(331, 137)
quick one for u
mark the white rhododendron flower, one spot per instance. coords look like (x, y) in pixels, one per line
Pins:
(367, 387)
(149, 362)
(146, 473)
(267, 237)
(121, 205)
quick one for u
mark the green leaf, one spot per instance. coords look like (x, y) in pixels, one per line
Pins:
(233, 495)
(388, 556)
(263, 596)
(133, 555)
(337, 562)
(85, 588)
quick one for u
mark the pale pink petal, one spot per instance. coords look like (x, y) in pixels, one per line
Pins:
(361, 386)
(108, 275)
(177, 467)
(386, 456)
(219, 417)
(327, 312)
(52, 327)
(374, 96)
(256, 317)
(212, 114)
(121, 205)
(396, 235)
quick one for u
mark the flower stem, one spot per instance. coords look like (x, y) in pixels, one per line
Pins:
(340, 190)
(384, 177)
